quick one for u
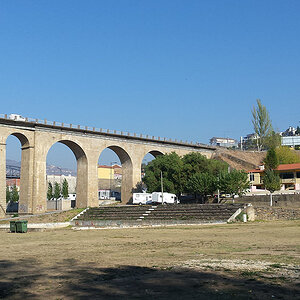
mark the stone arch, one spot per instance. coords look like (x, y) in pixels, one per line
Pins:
(138, 156)
(21, 137)
(82, 171)
(127, 171)
(156, 153)
(122, 154)
(25, 193)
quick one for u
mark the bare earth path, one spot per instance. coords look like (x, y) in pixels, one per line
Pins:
(234, 261)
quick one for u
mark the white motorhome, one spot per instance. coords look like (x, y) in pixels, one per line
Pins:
(16, 117)
(141, 198)
(165, 198)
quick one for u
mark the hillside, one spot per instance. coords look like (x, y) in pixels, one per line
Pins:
(240, 160)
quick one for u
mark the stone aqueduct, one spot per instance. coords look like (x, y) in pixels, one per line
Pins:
(37, 137)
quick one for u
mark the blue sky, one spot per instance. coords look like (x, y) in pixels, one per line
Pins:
(188, 69)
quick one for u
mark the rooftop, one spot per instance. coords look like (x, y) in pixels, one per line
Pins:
(282, 167)
(286, 167)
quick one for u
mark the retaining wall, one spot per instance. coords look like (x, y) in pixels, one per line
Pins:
(128, 223)
(282, 200)
(276, 213)
(60, 205)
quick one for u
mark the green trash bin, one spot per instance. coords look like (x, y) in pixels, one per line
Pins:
(21, 226)
(12, 226)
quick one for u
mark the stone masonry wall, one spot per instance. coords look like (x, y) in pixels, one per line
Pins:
(276, 213)
(281, 200)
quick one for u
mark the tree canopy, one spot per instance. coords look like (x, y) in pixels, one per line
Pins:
(194, 163)
(193, 173)
(171, 167)
(8, 194)
(271, 181)
(271, 160)
(65, 189)
(50, 191)
(56, 193)
(261, 123)
(14, 194)
(234, 183)
(286, 155)
(273, 140)
(203, 184)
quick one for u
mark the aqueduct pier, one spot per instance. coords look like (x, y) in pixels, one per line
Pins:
(87, 143)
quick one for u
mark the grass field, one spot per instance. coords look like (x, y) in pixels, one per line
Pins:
(257, 260)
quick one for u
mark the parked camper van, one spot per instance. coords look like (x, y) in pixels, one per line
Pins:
(166, 198)
(141, 198)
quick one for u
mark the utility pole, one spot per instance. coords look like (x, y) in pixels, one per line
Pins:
(162, 188)
(218, 189)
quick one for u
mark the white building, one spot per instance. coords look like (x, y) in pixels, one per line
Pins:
(223, 142)
(60, 179)
(291, 141)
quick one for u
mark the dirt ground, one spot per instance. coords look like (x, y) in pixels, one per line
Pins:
(51, 217)
(257, 260)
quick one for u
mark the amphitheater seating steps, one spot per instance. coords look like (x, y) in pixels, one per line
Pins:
(180, 212)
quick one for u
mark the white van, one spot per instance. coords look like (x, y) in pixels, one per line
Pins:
(141, 198)
(16, 117)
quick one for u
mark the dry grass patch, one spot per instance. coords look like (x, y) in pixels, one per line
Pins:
(182, 262)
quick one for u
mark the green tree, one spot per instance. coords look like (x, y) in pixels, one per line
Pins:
(171, 167)
(261, 123)
(140, 187)
(273, 140)
(234, 183)
(203, 184)
(50, 191)
(8, 194)
(56, 193)
(65, 189)
(298, 130)
(287, 155)
(194, 163)
(14, 194)
(271, 182)
(250, 144)
(271, 160)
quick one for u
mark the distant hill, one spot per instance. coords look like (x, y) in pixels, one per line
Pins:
(14, 163)
(51, 169)
(54, 170)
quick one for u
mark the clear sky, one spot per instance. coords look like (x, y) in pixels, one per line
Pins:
(184, 69)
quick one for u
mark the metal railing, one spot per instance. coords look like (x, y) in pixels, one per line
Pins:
(101, 130)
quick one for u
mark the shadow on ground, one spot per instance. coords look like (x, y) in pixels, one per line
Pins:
(68, 279)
